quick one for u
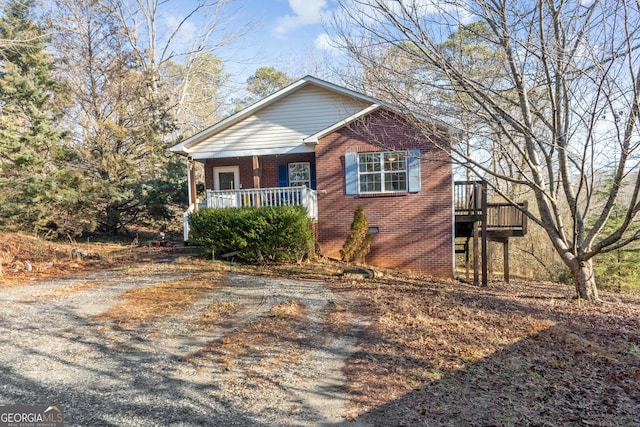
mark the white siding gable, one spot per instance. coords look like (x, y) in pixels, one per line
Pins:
(281, 126)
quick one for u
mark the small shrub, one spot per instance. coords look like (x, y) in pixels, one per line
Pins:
(358, 242)
(255, 234)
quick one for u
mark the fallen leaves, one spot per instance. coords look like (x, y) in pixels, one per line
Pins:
(502, 355)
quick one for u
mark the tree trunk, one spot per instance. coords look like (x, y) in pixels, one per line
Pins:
(585, 281)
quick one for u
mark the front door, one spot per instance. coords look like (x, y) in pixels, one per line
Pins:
(226, 178)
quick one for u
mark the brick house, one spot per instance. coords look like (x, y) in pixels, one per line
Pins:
(329, 148)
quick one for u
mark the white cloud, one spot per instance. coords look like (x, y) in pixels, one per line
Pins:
(305, 12)
(186, 34)
(324, 42)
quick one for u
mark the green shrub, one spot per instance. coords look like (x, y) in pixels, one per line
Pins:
(358, 242)
(255, 234)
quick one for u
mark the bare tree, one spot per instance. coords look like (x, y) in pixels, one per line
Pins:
(163, 33)
(561, 104)
(196, 91)
(117, 143)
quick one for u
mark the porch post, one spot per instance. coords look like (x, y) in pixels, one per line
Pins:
(257, 179)
(191, 178)
(476, 256)
(257, 173)
(489, 260)
(466, 259)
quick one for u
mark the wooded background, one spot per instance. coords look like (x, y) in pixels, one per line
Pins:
(544, 98)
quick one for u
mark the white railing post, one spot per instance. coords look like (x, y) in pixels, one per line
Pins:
(185, 219)
(280, 196)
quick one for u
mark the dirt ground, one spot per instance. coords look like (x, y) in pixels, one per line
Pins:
(444, 353)
(185, 341)
(176, 344)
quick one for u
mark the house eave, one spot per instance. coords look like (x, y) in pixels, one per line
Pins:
(313, 139)
(224, 154)
(188, 147)
(180, 150)
(234, 118)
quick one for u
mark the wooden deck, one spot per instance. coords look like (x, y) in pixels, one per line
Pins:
(479, 221)
(502, 219)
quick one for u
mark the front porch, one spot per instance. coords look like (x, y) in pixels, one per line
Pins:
(257, 197)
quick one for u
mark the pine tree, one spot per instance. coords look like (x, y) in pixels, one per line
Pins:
(33, 181)
(117, 122)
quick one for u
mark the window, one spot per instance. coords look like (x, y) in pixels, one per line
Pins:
(226, 178)
(382, 172)
(300, 174)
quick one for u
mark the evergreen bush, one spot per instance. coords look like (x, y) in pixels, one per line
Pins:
(264, 234)
(358, 242)
(619, 270)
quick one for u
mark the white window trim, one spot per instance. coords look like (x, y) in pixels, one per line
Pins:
(223, 169)
(382, 172)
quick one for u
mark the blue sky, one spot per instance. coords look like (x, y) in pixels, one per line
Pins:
(288, 35)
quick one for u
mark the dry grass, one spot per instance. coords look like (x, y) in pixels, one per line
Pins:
(443, 353)
(50, 259)
(291, 309)
(276, 335)
(216, 313)
(435, 353)
(336, 320)
(151, 303)
(56, 293)
(320, 270)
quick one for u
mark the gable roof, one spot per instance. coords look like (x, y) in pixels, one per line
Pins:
(185, 147)
(290, 120)
(316, 136)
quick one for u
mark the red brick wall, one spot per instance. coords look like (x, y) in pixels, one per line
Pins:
(416, 229)
(246, 170)
(270, 164)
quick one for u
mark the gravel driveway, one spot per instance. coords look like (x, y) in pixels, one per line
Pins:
(54, 352)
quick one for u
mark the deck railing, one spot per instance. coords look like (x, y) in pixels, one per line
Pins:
(185, 221)
(467, 199)
(506, 216)
(255, 197)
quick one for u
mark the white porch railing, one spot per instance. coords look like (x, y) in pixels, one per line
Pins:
(185, 219)
(255, 197)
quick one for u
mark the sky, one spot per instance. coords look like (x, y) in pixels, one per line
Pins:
(288, 35)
